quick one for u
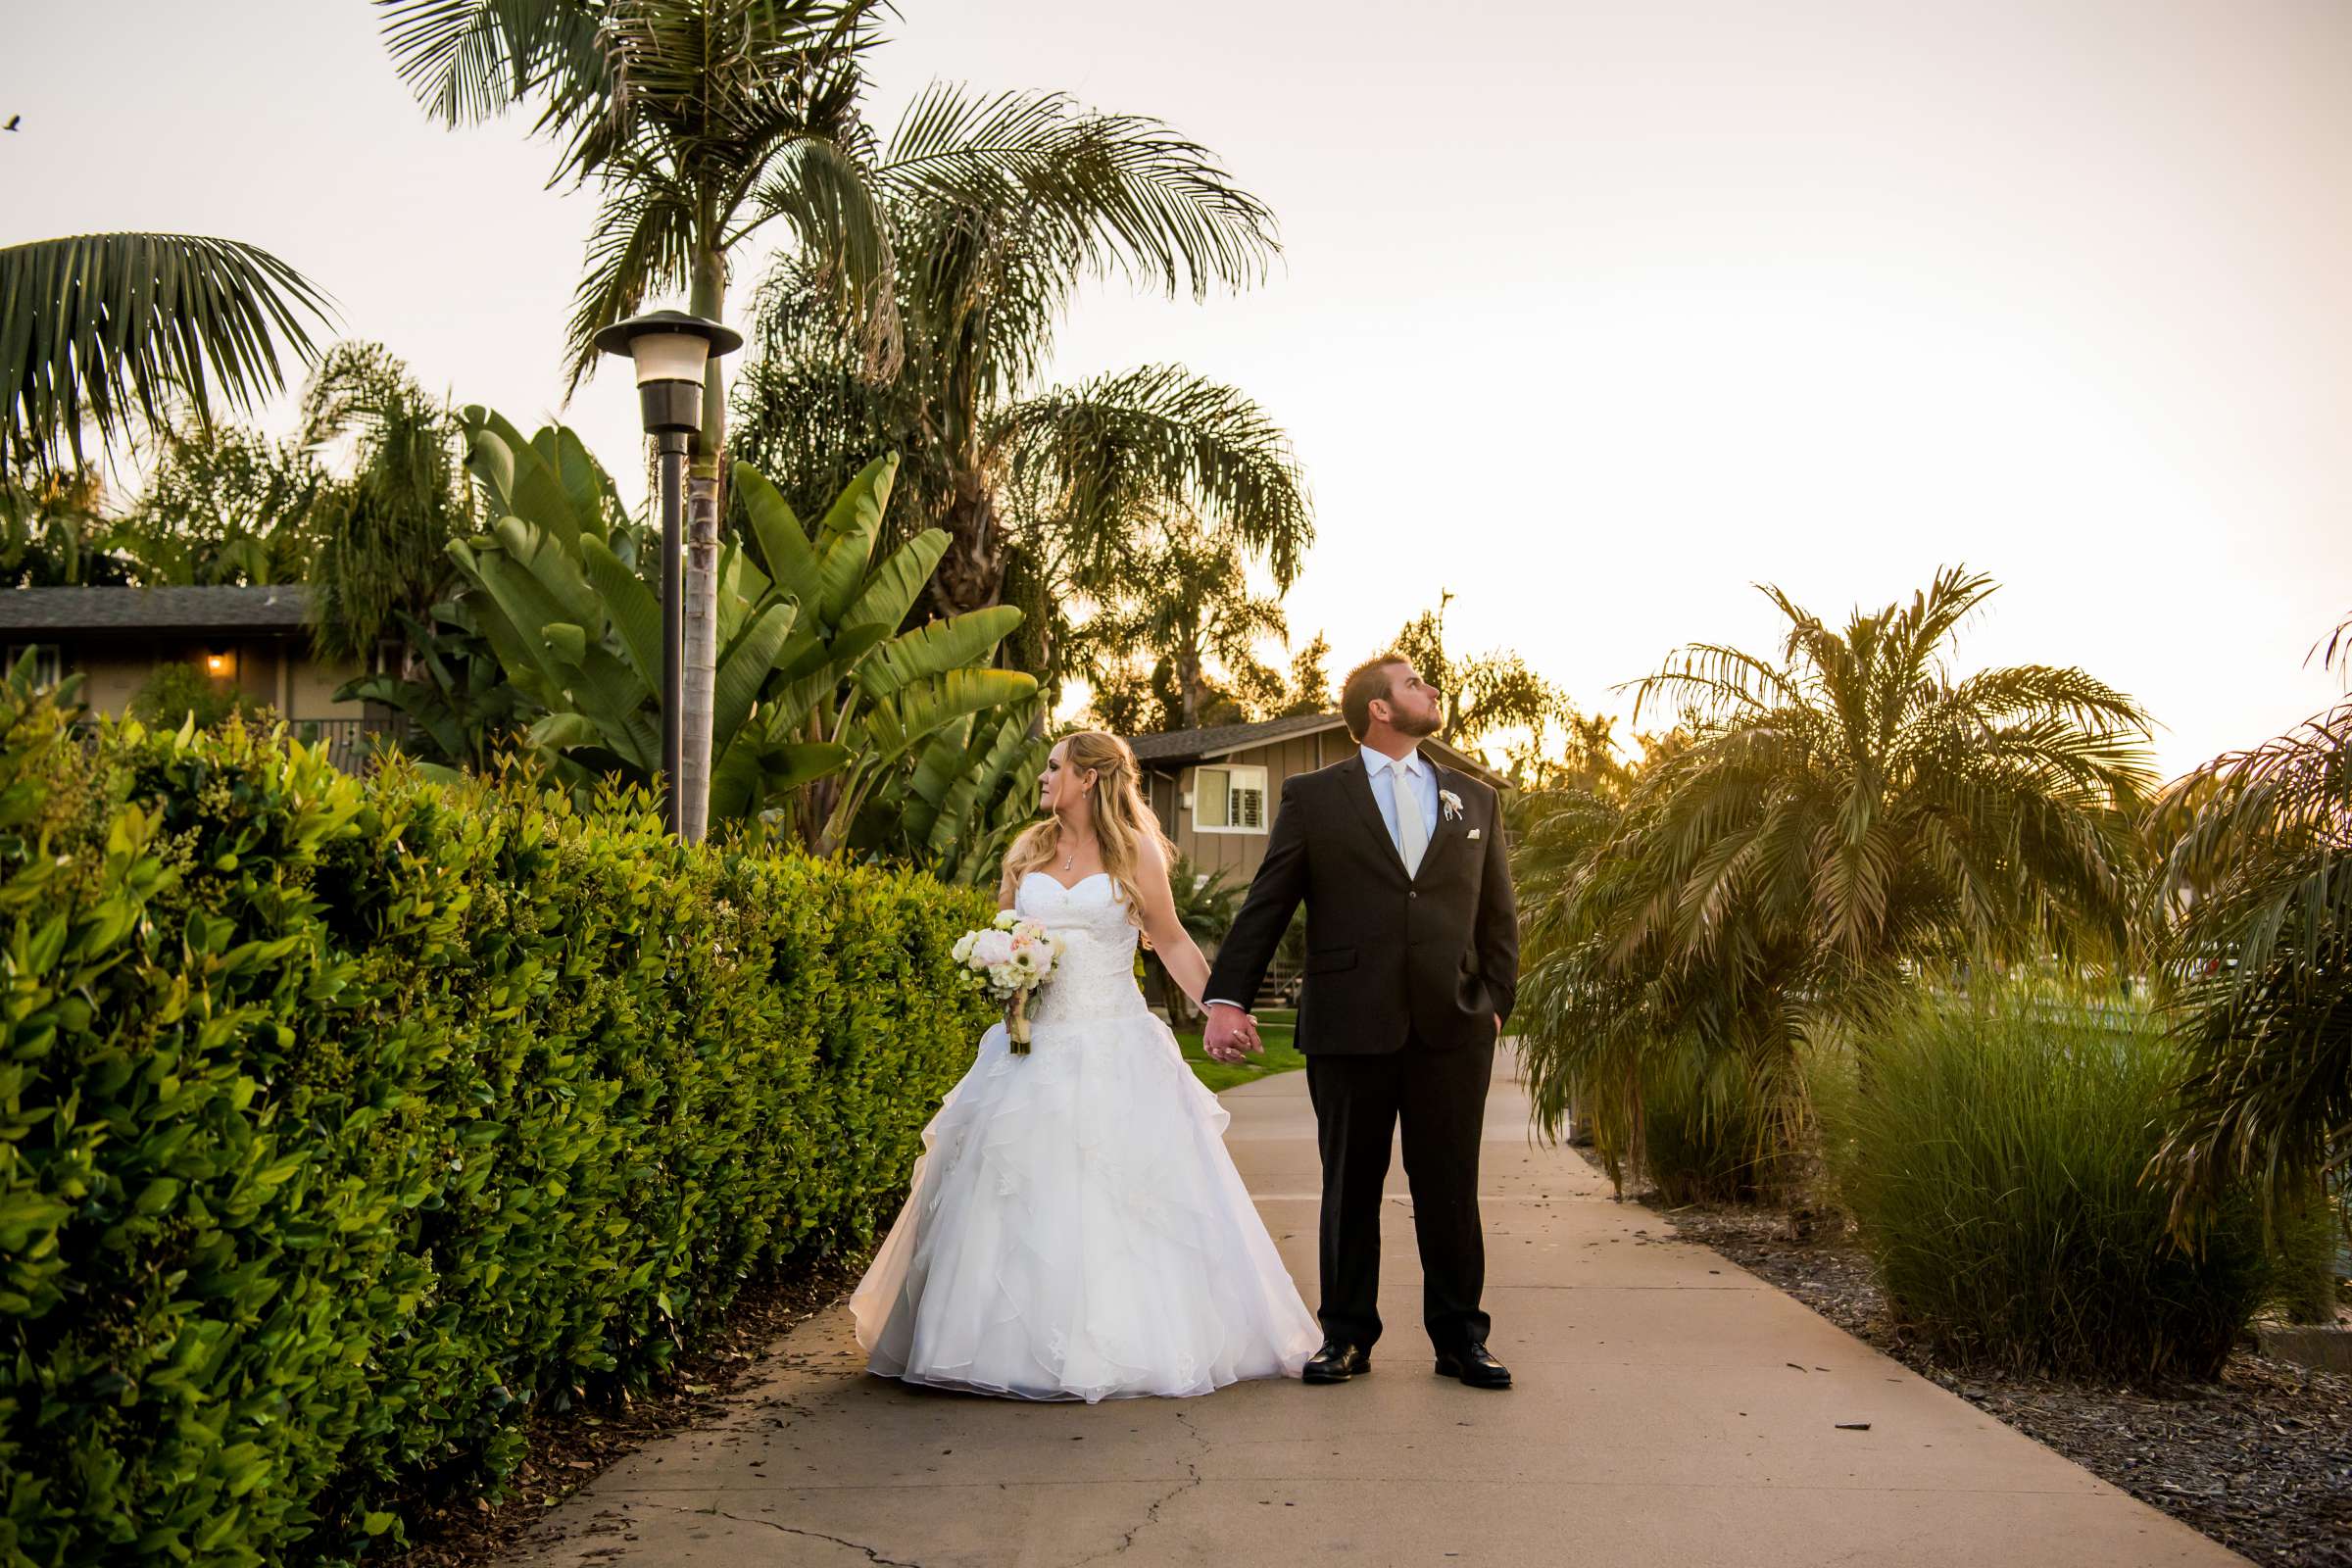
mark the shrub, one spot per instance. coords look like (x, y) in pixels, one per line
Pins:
(345, 1121)
(178, 691)
(1995, 1153)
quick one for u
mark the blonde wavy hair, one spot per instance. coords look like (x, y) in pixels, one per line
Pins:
(1123, 818)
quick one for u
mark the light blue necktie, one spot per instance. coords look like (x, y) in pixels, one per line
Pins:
(1412, 835)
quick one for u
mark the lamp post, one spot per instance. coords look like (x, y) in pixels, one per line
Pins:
(672, 350)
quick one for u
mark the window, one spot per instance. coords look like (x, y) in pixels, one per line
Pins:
(1229, 799)
(48, 662)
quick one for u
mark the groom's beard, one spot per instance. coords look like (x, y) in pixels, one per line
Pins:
(1416, 727)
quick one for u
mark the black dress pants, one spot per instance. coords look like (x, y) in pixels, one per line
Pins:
(1441, 1098)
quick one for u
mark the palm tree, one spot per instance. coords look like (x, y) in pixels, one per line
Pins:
(1191, 603)
(702, 122)
(1001, 208)
(381, 558)
(112, 330)
(2255, 914)
(1835, 821)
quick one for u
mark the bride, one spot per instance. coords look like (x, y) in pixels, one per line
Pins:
(1075, 1229)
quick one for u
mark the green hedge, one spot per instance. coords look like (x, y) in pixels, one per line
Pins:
(346, 1119)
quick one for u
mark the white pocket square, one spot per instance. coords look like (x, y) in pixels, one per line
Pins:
(1474, 832)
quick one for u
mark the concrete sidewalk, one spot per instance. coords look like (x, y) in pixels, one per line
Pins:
(1672, 1410)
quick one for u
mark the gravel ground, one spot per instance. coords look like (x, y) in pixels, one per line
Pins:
(2260, 1460)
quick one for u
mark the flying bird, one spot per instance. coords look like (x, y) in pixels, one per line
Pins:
(12, 122)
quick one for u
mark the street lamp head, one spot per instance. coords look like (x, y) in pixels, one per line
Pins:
(670, 350)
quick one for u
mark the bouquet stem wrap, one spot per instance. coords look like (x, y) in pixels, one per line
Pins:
(1016, 1027)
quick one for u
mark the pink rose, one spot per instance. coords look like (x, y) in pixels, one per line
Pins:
(993, 948)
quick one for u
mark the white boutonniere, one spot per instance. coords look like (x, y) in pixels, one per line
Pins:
(1451, 804)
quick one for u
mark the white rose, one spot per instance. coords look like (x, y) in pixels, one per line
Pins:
(1007, 920)
(963, 944)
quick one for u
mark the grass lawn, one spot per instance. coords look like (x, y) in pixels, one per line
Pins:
(1275, 1027)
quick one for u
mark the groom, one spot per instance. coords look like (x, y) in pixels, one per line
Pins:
(1413, 956)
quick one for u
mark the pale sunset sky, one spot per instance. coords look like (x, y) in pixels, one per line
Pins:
(1595, 314)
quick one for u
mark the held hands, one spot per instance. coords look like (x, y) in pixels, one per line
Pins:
(1230, 1032)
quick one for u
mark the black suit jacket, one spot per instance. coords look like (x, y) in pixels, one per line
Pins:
(1388, 956)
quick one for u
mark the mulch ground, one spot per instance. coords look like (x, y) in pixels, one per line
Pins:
(567, 1451)
(2260, 1460)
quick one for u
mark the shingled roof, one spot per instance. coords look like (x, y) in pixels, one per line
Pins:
(1180, 747)
(1217, 739)
(133, 611)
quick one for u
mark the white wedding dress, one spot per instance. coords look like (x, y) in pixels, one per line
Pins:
(1075, 1229)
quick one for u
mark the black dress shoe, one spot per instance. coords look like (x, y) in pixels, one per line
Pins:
(1335, 1362)
(1475, 1367)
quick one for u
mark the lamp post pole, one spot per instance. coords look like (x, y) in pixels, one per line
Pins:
(670, 350)
(673, 445)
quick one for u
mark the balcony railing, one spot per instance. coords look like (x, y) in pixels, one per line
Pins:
(350, 744)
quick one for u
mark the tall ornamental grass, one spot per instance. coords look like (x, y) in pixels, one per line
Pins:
(343, 1123)
(1995, 1151)
(1718, 1128)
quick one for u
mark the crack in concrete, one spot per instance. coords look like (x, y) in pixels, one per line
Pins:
(871, 1554)
(1192, 1481)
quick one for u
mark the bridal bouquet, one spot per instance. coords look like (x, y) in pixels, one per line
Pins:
(1009, 960)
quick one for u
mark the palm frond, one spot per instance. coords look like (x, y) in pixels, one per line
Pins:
(1115, 192)
(1152, 438)
(469, 61)
(643, 243)
(107, 328)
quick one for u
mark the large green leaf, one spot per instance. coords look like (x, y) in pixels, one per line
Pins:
(517, 654)
(636, 614)
(561, 731)
(1007, 777)
(792, 563)
(524, 477)
(569, 642)
(550, 560)
(845, 543)
(936, 647)
(894, 724)
(894, 585)
(943, 761)
(746, 667)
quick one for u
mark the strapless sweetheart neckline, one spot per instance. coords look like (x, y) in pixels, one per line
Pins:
(1069, 887)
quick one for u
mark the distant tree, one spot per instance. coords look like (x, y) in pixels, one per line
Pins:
(1309, 690)
(54, 531)
(1188, 601)
(381, 535)
(222, 505)
(1483, 695)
